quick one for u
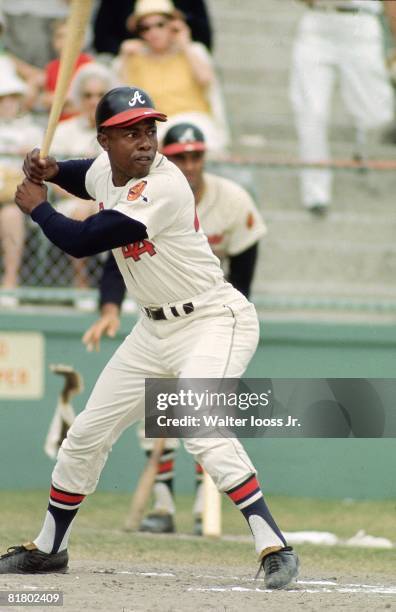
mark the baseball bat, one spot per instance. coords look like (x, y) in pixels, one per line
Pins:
(80, 11)
(144, 487)
(211, 516)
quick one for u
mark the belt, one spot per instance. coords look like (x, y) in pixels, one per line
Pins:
(158, 314)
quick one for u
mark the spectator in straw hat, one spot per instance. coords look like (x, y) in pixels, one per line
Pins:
(177, 72)
(110, 26)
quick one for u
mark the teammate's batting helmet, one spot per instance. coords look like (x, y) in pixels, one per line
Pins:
(123, 106)
(181, 138)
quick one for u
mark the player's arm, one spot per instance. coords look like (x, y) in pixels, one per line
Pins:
(242, 268)
(111, 285)
(69, 175)
(108, 324)
(245, 229)
(106, 230)
(111, 295)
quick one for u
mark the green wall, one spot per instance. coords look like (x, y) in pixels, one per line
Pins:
(353, 468)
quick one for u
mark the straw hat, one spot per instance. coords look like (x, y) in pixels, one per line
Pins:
(152, 7)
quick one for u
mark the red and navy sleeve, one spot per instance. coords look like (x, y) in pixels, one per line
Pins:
(71, 177)
(104, 231)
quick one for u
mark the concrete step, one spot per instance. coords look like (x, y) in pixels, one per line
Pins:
(354, 192)
(363, 232)
(308, 270)
(306, 294)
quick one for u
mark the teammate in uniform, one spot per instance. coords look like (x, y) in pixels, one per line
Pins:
(194, 324)
(233, 227)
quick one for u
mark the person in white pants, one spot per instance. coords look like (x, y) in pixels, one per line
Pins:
(193, 325)
(337, 39)
(233, 225)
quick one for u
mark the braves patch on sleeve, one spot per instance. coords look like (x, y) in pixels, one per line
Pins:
(136, 192)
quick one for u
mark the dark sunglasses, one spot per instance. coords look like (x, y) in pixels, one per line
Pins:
(143, 29)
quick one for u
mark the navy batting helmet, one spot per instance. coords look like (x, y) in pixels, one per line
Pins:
(183, 137)
(123, 106)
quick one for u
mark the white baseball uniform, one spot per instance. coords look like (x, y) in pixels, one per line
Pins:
(232, 224)
(172, 268)
(332, 43)
(229, 217)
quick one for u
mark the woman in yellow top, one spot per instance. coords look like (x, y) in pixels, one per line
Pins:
(176, 72)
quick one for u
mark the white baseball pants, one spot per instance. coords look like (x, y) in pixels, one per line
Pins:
(332, 45)
(217, 340)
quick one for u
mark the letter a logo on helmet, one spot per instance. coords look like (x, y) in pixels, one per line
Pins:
(188, 135)
(137, 97)
(183, 138)
(123, 106)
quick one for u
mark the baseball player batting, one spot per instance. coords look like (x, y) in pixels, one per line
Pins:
(233, 227)
(194, 324)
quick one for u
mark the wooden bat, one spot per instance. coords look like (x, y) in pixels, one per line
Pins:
(144, 487)
(80, 12)
(211, 516)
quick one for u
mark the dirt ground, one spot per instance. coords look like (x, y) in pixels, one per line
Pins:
(116, 571)
(124, 587)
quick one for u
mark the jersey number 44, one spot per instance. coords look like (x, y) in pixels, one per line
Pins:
(136, 249)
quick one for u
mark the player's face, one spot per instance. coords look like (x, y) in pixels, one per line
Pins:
(131, 149)
(191, 163)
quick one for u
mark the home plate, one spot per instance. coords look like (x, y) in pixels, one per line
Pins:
(307, 586)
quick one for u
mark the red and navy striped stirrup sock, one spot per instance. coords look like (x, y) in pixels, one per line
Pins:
(63, 507)
(65, 500)
(198, 474)
(249, 499)
(163, 485)
(165, 470)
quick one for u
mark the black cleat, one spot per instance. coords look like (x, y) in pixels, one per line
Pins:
(197, 526)
(318, 210)
(279, 567)
(158, 522)
(28, 559)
